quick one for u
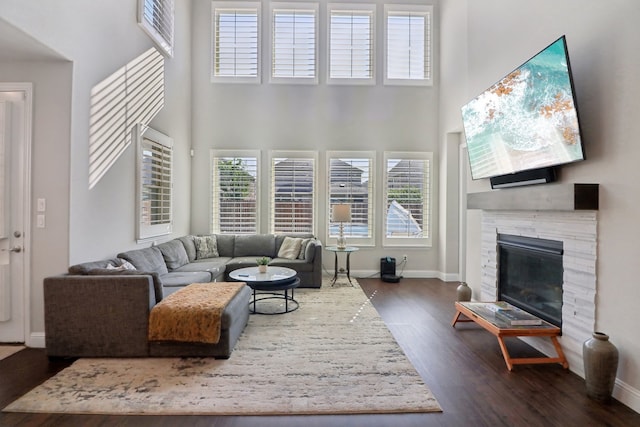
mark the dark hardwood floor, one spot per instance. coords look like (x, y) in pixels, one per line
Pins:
(463, 367)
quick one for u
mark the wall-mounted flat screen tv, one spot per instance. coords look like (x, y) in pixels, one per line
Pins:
(527, 120)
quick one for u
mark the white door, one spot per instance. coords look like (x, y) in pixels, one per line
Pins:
(13, 149)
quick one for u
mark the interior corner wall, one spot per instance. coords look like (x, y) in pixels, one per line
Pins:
(601, 39)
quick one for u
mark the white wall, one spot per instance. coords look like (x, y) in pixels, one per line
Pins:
(602, 40)
(98, 37)
(321, 117)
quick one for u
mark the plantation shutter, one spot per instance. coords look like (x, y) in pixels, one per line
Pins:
(294, 43)
(351, 45)
(407, 192)
(236, 42)
(234, 195)
(157, 18)
(408, 44)
(292, 195)
(350, 182)
(156, 187)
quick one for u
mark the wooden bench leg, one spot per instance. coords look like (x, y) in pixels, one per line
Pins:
(561, 356)
(505, 353)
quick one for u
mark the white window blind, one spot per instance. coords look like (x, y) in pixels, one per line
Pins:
(293, 194)
(350, 180)
(294, 42)
(236, 42)
(234, 193)
(408, 45)
(156, 17)
(155, 163)
(351, 43)
(407, 195)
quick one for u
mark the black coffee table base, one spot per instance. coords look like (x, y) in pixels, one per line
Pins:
(290, 304)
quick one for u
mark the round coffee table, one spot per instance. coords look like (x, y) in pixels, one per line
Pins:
(274, 279)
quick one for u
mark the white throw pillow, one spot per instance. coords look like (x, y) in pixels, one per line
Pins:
(290, 248)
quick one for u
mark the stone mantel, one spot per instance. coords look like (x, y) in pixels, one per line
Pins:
(547, 197)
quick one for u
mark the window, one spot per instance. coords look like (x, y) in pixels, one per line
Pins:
(408, 45)
(351, 43)
(236, 42)
(293, 178)
(234, 195)
(156, 18)
(294, 43)
(407, 195)
(350, 180)
(154, 198)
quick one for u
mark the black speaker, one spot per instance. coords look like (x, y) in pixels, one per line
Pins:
(388, 270)
(518, 179)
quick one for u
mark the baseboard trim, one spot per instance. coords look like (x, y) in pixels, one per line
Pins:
(627, 394)
(36, 340)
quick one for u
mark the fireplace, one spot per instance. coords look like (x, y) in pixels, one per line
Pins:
(530, 275)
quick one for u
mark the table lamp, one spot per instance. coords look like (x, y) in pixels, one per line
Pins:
(341, 213)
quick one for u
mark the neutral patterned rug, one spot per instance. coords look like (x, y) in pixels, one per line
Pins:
(334, 355)
(8, 350)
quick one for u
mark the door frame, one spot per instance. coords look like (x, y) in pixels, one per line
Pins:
(27, 135)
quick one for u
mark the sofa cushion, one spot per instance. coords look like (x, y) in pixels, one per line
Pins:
(255, 245)
(147, 259)
(189, 246)
(206, 246)
(85, 267)
(157, 282)
(299, 265)
(177, 279)
(215, 266)
(226, 242)
(290, 248)
(174, 254)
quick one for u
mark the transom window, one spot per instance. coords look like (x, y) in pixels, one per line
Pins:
(234, 183)
(236, 42)
(351, 43)
(293, 179)
(408, 45)
(407, 195)
(294, 42)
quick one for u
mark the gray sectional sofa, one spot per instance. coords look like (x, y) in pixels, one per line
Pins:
(101, 308)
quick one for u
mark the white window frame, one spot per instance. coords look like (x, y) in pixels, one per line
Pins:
(354, 7)
(427, 204)
(236, 6)
(293, 155)
(368, 241)
(276, 7)
(410, 10)
(161, 35)
(215, 201)
(145, 137)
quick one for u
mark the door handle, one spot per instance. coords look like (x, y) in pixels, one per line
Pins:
(14, 249)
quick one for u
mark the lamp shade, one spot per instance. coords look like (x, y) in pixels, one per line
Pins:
(341, 213)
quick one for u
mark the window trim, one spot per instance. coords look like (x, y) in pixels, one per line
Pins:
(275, 6)
(214, 154)
(164, 45)
(295, 154)
(418, 9)
(427, 203)
(236, 5)
(145, 232)
(360, 7)
(353, 241)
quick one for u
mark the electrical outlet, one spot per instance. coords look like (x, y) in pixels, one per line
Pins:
(404, 258)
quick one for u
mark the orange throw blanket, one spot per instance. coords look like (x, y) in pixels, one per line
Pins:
(192, 314)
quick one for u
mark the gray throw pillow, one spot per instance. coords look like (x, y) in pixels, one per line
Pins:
(206, 247)
(303, 248)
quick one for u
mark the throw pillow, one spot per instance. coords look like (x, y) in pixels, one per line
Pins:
(206, 247)
(124, 265)
(290, 248)
(303, 247)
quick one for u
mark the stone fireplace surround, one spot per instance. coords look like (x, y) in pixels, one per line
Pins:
(554, 212)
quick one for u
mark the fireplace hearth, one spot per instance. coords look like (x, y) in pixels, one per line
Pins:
(530, 275)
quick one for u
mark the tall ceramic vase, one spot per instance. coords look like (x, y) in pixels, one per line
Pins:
(600, 366)
(463, 292)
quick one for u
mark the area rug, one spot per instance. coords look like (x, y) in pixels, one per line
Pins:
(8, 350)
(334, 355)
